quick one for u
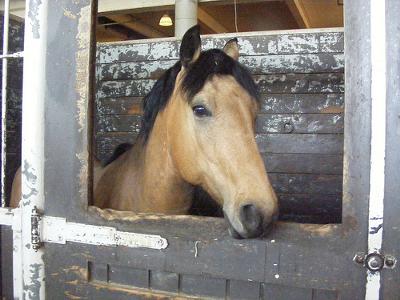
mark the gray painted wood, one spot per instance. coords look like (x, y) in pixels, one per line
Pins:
(391, 223)
(294, 260)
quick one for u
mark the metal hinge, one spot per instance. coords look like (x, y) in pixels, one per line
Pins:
(46, 229)
(375, 261)
(35, 230)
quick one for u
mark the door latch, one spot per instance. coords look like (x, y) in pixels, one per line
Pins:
(375, 261)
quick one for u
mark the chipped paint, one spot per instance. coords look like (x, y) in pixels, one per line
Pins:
(82, 64)
(69, 14)
(33, 17)
(58, 230)
(319, 230)
(32, 290)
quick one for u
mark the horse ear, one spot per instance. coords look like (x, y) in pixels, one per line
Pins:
(231, 48)
(190, 46)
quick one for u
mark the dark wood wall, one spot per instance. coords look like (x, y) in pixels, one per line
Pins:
(300, 125)
(14, 99)
(14, 114)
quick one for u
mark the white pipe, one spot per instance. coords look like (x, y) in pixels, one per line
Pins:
(185, 16)
(34, 87)
(4, 102)
(378, 140)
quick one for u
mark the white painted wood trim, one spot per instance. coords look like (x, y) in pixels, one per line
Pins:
(32, 166)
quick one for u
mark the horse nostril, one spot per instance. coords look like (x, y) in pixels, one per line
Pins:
(251, 219)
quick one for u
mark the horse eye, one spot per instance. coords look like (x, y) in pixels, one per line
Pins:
(200, 111)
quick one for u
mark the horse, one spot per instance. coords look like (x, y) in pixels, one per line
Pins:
(198, 130)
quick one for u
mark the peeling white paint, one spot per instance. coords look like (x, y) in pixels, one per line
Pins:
(58, 230)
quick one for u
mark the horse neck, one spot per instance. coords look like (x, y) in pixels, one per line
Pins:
(163, 189)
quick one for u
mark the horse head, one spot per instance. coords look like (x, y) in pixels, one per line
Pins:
(210, 126)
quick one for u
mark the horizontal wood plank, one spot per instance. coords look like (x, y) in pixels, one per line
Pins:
(302, 103)
(306, 183)
(275, 84)
(270, 143)
(267, 64)
(300, 143)
(303, 163)
(299, 123)
(292, 43)
(300, 83)
(265, 123)
(270, 103)
(309, 204)
(298, 63)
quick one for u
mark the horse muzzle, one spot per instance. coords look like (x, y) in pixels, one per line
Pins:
(250, 223)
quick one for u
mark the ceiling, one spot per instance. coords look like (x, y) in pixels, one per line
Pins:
(120, 20)
(219, 17)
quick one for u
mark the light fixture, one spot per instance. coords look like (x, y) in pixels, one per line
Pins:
(165, 20)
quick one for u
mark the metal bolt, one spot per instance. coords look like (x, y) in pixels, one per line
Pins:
(359, 258)
(374, 262)
(288, 127)
(390, 261)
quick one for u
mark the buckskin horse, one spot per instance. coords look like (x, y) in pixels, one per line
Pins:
(197, 130)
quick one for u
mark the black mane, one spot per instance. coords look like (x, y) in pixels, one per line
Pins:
(211, 62)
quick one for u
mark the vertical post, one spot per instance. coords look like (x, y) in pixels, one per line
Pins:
(4, 102)
(378, 140)
(185, 16)
(33, 105)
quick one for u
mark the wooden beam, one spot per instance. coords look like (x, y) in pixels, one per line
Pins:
(108, 34)
(17, 9)
(130, 22)
(209, 21)
(108, 6)
(298, 11)
(120, 6)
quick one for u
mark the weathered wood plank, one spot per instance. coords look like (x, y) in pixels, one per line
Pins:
(293, 43)
(303, 163)
(309, 204)
(134, 70)
(331, 164)
(119, 106)
(331, 42)
(306, 183)
(127, 88)
(300, 83)
(298, 63)
(269, 64)
(297, 43)
(270, 103)
(299, 123)
(128, 51)
(265, 123)
(284, 83)
(14, 119)
(302, 103)
(271, 143)
(301, 143)
(120, 123)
